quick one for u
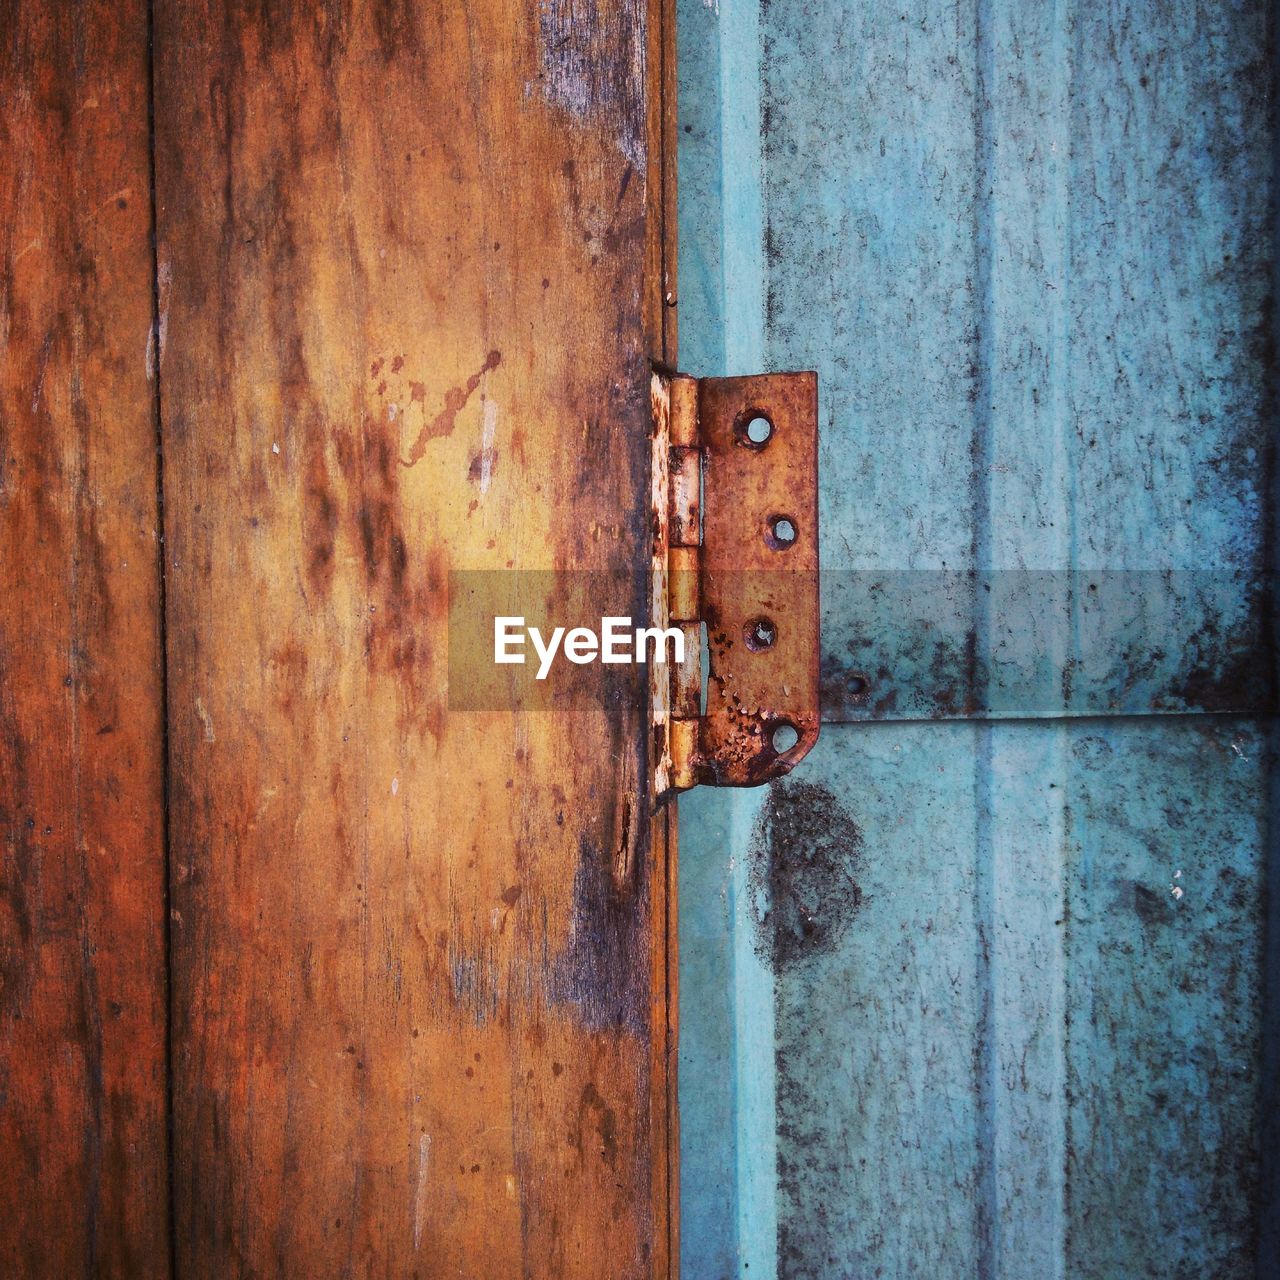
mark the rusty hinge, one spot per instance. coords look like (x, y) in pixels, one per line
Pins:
(735, 535)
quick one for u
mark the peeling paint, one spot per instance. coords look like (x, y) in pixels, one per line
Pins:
(206, 721)
(482, 465)
(420, 1189)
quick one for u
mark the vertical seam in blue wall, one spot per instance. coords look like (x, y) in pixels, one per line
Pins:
(742, 266)
(1067, 55)
(741, 187)
(1268, 1220)
(1267, 1261)
(985, 1048)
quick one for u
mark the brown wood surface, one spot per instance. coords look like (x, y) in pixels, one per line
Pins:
(83, 1174)
(407, 263)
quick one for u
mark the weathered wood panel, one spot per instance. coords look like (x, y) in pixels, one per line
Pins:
(420, 985)
(83, 1173)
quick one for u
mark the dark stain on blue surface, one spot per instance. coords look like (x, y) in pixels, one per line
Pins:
(805, 860)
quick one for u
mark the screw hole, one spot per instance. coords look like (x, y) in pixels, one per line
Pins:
(782, 533)
(755, 429)
(783, 737)
(858, 685)
(760, 633)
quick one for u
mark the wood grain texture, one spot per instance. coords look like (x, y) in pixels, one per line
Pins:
(420, 1011)
(83, 1174)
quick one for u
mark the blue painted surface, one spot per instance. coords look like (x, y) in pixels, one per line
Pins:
(987, 999)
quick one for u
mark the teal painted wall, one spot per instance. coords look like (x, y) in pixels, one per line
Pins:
(988, 987)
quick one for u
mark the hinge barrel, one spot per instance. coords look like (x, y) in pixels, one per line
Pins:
(684, 578)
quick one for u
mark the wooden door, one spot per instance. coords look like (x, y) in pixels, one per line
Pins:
(308, 308)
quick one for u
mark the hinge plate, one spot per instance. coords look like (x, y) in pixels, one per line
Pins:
(736, 560)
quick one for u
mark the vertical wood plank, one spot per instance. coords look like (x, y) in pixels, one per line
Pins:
(420, 1006)
(83, 1173)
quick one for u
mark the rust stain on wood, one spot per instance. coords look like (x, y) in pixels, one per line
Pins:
(455, 400)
